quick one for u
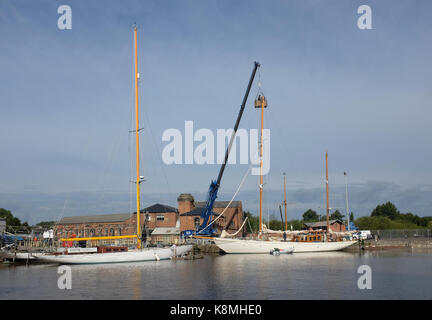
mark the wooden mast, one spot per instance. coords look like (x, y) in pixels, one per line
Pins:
(261, 164)
(327, 195)
(285, 203)
(137, 142)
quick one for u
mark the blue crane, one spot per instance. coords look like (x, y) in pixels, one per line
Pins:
(206, 214)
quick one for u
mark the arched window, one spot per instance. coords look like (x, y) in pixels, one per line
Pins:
(92, 233)
(119, 231)
(112, 232)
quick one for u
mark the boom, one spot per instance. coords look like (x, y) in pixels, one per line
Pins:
(207, 211)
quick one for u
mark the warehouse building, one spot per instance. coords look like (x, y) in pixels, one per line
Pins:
(160, 224)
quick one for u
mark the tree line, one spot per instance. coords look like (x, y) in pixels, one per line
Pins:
(14, 223)
(384, 216)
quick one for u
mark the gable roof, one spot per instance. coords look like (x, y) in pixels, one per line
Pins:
(219, 204)
(199, 205)
(116, 217)
(159, 208)
(321, 223)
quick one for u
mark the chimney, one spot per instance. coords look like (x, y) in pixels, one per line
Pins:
(185, 203)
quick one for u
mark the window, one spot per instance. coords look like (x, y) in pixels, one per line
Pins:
(106, 232)
(112, 232)
(148, 217)
(196, 221)
(160, 218)
(119, 231)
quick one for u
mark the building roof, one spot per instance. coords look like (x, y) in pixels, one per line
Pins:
(199, 205)
(186, 197)
(116, 217)
(219, 204)
(159, 208)
(165, 231)
(321, 223)
(194, 212)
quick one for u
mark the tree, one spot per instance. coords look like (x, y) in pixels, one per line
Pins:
(352, 216)
(10, 219)
(337, 215)
(46, 224)
(387, 209)
(310, 215)
(253, 222)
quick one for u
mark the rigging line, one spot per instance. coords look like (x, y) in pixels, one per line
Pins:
(234, 234)
(158, 152)
(157, 162)
(235, 194)
(130, 150)
(250, 227)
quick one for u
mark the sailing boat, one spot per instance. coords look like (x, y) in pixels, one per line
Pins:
(231, 245)
(313, 243)
(138, 254)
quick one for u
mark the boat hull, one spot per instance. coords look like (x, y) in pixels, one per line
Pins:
(262, 246)
(117, 257)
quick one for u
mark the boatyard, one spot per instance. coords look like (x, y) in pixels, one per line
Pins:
(209, 151)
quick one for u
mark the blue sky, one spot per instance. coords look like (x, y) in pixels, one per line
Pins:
(66, 100)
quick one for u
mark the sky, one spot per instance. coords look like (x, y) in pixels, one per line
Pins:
(67, 99)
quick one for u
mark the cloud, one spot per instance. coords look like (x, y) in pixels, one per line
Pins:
(33, 206)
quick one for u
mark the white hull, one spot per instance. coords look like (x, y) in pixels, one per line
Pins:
(117, 257)
(262, 246)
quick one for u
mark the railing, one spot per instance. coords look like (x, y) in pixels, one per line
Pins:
(402, 234)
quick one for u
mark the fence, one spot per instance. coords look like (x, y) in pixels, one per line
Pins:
(403, 234)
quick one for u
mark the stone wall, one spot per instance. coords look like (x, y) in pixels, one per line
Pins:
(412, 243)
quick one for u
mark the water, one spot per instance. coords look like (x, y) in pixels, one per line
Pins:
(396, 274)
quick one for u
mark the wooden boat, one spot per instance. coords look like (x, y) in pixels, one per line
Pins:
(262, 246)
(106, 254)
(315, 243)
(137, 255)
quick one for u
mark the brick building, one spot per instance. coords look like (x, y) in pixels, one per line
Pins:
(159, 223)
(335, 225)
(119, 224)
(190, 211)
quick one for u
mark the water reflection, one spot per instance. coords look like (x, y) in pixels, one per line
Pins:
(331, 275)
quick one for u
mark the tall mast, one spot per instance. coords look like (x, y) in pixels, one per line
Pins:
(327, 195)
(285, 203)
(261, 163)
(137, 142)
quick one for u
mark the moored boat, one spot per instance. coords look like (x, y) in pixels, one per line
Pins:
(137, 255)
(120, 254)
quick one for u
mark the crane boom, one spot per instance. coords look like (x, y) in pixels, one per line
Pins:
(207, 211)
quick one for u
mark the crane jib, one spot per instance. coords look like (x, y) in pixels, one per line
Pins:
(207, 211)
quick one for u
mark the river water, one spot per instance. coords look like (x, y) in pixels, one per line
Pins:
(396, 274)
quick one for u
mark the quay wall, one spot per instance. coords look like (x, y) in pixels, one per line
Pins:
(425, 243)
